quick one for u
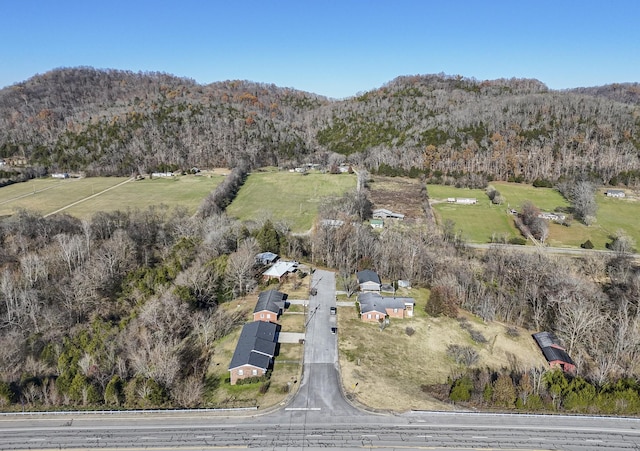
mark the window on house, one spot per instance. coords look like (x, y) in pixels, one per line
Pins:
(255, 372)
(240, 372)
(395, 310)
(261, 315)
(369, 316)
(269, 315)
(377, 316)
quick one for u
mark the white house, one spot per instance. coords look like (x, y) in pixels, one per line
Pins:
(614, 193)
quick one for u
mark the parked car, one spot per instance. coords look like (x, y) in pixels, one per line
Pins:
(334, 330)
(313, 292)
(333, 310)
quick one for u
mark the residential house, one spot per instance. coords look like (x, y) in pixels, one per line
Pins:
(383, 213)
(376, 223)
(466, 200)
(255, 350)
(615, 193)
(557, 217)
(368, 280)
(280, 269)
(270, 305)
(555, 354)
(60, 175)
(266, 258)
(375, 307)
(331, 223)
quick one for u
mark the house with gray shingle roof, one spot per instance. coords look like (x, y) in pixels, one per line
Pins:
(270, 305)
(375, 307)
(257, 345)
(368, 280)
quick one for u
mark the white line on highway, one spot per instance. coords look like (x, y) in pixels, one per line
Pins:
(593, 440)
(94, 438)
(479, 436)
(200, 437)
(258, 436)
(424, 436)
(302, 408)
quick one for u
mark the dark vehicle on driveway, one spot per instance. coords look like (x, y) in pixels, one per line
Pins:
(333, 310)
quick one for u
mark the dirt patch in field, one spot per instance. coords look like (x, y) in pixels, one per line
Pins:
(400, 195)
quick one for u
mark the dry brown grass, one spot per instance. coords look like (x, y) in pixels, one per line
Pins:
(287, 366)
(389, 367)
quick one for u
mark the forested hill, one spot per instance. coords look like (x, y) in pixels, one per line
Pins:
(116, 122)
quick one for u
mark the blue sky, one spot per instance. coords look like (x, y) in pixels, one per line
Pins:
(334, 48)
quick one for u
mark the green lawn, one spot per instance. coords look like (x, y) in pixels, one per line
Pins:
(48, 195)
(287, 196)
(478, 222)
(515, 194)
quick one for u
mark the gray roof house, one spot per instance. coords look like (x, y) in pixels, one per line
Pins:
(368, 280)
(255, 350)
(374, 307)
(269, 306)
(554, 352)
(266, 258)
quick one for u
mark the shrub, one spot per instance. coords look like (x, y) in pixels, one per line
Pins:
(587, 245)
(461, 390)
(463, 355)
(518, 241)
(264, 387)
(477, 336)
(513, 332)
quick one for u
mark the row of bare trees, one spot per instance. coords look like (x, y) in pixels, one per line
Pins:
(112, 122)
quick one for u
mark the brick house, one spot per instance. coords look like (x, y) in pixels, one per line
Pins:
(374, 307)
(270, 305)
(255, 350)
(555, 354)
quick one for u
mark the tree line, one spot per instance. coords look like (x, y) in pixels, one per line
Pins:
(106, 122)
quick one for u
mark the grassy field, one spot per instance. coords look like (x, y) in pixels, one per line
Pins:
(478, 222)
(291, 197)
(386, 369)
(49, 195)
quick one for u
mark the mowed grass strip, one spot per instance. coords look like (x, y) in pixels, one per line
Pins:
(186, 191)
(46, 195)
(286, 196)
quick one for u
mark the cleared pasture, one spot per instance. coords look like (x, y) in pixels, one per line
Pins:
(86, 196)
(477, 223)
(290, 197)
(516, 194)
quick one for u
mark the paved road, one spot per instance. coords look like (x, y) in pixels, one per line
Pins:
(318, 417)
(320, 387)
